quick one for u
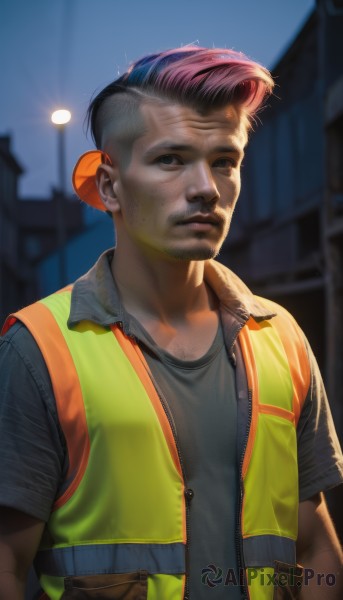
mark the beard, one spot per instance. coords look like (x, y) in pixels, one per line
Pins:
(194, 253)
(201, 253)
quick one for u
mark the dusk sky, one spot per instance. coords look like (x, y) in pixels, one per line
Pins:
(58, 53)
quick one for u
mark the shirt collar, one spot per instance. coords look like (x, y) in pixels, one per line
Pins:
(233, 295)
(95, 296)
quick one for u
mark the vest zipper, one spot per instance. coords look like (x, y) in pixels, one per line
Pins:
(238, 534)
(239, 539)
(187, 501)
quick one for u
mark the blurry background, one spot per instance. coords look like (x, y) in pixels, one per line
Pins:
(287, 235)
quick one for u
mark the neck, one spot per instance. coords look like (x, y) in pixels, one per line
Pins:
(157, 288)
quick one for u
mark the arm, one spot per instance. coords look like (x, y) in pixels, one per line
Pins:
(20, 535)
(319, 552)
(32, 457)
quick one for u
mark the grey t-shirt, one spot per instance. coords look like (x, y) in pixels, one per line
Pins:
(201, 396)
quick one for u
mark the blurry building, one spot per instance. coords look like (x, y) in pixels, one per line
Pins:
(81, 252)
(44, 243)
(40, 224)
(29, 231)
(287, 231)
(10, 281)
(286, 239)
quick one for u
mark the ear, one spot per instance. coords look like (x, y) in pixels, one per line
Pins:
(107, 184)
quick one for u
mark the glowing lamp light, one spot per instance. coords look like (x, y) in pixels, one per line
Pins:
(61, 117)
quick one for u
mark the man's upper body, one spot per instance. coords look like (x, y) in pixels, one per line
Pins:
(169, 173)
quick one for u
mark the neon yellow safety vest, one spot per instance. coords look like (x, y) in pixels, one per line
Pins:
(118, 526)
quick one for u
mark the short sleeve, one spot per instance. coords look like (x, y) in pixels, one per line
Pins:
(319, 454)
(32, 446)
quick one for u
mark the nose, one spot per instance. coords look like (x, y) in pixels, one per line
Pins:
(202, 185)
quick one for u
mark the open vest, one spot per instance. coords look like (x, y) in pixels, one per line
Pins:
(118, 528)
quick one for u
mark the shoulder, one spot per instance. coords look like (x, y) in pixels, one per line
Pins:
(22, 366)
(277, 310)
(295, 347)
(18, 340)
(288, 328)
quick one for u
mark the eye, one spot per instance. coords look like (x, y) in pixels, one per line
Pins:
(224, 163)
(169, 159)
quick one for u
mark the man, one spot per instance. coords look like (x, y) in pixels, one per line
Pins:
(162, 428)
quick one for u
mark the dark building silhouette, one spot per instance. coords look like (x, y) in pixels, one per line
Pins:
(40, 236)
(10, 279)
(286, 239)
(286, 236)
(29, 231)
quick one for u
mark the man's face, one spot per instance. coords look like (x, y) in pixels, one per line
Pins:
(177, 193)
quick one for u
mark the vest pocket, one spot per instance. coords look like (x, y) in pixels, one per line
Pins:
(113, 586)
(289, 579)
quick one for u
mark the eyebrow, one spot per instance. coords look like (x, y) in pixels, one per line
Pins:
(172, 147)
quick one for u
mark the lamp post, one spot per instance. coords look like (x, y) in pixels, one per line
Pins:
(60, 118)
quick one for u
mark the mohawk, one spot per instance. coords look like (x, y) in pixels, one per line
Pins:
(202, 78)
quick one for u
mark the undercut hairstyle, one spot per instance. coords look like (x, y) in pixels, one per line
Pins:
(202, 78)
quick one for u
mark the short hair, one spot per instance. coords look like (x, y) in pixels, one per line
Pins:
(202, 78)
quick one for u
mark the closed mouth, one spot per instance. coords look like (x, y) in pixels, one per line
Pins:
(206, 219)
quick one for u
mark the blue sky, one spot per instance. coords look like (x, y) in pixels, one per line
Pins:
(60, 52)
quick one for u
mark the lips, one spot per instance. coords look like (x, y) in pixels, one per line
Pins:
(208, 219)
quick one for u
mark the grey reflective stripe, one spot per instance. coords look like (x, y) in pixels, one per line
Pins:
(92, 559)
(264, 550)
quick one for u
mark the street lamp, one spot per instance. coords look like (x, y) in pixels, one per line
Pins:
(60, 118)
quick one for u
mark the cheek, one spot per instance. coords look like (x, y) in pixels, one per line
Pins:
(230, 191)
(237, 189)
(142, 206)
(236, 184)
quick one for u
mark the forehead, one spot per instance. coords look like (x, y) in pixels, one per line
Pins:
(184, 125)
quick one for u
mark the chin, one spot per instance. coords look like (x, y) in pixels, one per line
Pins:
(193, 253)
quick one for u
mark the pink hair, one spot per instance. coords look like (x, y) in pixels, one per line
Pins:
(203, 75)
(203, 78)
